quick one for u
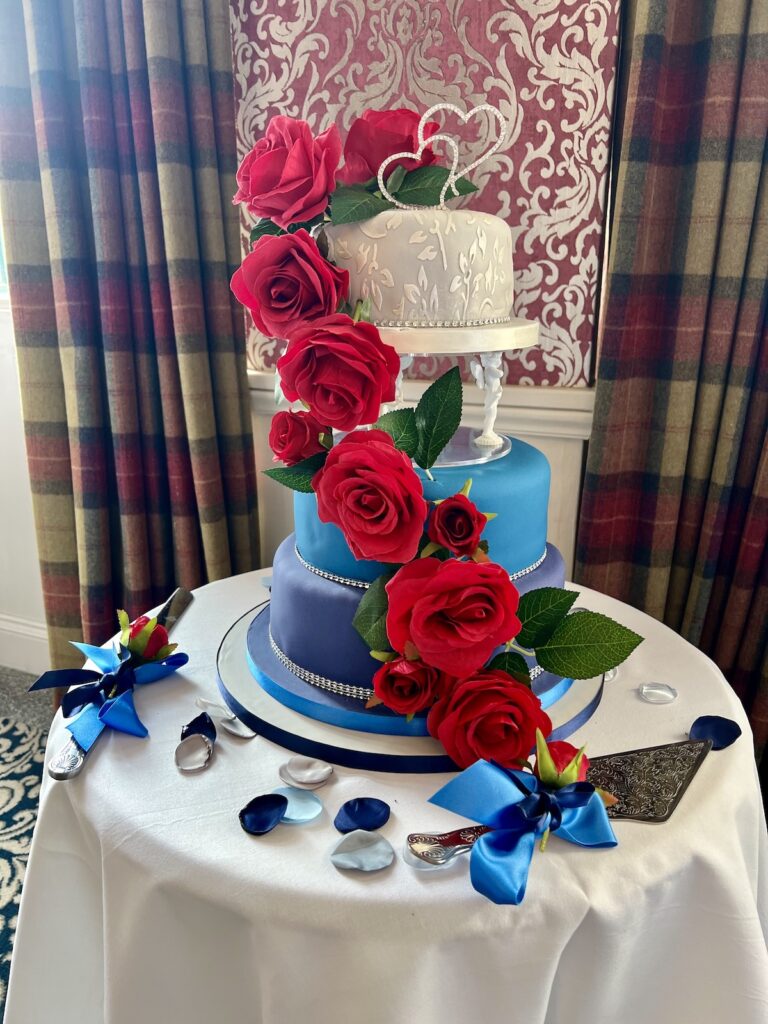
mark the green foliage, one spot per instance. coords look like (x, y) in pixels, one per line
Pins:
(585, 644)
(350, 204)
(541, 612)
(514, 665)
(437, 416)
(370, 619)
(422, 186)
(264, 227)
(298, 477)
(400, 424)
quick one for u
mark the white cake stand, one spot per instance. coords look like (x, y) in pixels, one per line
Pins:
(487, 344)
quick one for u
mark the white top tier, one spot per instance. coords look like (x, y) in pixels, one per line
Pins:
(428, 267)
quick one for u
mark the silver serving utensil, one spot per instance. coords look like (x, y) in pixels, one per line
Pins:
(437, 849)
(68, 761)
(228, 721)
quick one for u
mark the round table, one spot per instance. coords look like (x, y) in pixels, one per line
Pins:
(145, 901)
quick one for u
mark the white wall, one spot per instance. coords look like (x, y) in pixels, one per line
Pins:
(23, 642)
(556, 420)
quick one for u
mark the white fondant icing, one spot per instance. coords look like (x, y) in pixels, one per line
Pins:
(428, 266)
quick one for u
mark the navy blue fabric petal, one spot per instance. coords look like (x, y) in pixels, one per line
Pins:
(261, 814)
(202, 724)
(364, 812)
(722, 731)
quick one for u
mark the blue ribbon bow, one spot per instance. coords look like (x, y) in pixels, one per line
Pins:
(518, 808)
(103, 699)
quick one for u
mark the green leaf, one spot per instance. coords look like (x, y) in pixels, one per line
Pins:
(307, 225)
(353, 204)
(400, 424)
(395, 180)
(422, 186)
(514, 665)
(541, 612)
(264, 227)
(298, 477)
(370, 619)
(586, 644)
(437, 416)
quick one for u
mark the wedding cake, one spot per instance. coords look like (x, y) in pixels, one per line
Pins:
(418, 594)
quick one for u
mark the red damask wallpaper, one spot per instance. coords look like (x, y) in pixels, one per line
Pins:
(549, 67)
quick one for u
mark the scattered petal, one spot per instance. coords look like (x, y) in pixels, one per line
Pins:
(306, 772)
(656, 693)
(364, 812)
(362, 851)
(261, 814)
(203, 725)
(302, 806)
(722, 731)
(193, 753)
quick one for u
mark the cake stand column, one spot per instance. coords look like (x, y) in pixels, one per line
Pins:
(405, 362)
(488, 370)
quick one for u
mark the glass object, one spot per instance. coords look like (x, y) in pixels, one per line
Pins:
(657, 693)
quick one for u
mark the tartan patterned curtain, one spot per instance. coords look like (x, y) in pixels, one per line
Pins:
(117, 159)
(675, 508)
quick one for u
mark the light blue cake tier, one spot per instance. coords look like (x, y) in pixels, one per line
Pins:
(515, 485)
(311, 616)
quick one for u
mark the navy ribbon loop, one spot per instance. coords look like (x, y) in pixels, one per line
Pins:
(103, 699)
(519, 809)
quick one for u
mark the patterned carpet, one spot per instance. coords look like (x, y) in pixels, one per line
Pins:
(22, 744)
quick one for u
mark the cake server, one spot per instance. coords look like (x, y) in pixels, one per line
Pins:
(437, 848)
(70, 758)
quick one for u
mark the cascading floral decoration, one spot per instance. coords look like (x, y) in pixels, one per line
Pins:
(454, 637)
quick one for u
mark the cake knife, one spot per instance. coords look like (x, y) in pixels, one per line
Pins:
(70, 758)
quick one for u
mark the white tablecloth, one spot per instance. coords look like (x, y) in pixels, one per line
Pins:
(145, 901)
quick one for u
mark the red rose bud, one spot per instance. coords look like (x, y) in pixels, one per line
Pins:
(294, 436)
(562, 754)
(488, 716)
(379, 134)
(289, 174)
(454, 613)
(456, 524)
(408, 686)
(285, 281)
(157, 639)
(340, 369)
(370, 490)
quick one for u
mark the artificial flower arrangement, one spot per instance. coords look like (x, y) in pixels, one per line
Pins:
(447, 623)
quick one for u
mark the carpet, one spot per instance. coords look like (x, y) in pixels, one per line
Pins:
(22, 750)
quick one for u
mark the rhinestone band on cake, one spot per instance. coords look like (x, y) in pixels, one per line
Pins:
(531, 568)
(346, 580)
(332, 685)
(485, 322)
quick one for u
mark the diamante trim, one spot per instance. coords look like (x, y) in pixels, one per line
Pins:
(524, 572)
(330, 575)
(342, 689)
(484, 322)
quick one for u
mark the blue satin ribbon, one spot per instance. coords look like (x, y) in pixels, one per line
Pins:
(519, 809)
(103, 699)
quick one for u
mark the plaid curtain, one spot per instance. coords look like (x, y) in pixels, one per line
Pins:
(117, 160)
(675, 508)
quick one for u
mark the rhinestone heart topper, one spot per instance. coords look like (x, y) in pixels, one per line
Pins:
(455, 172)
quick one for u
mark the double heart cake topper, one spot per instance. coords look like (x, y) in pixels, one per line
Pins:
(455, 172)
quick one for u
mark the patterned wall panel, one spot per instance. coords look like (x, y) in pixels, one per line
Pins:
(547, 64)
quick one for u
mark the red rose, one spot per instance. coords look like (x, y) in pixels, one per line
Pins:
(341, 369)
(370, 490)
(490, 716)
(158, 638)
(456, 524)
(562, 753)
(289, 174)
(408, 686)
(285, 281)
(379, 134)
(294, 436)
(453, 613)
